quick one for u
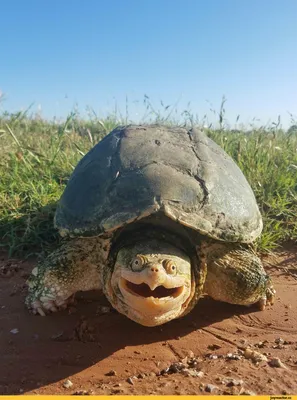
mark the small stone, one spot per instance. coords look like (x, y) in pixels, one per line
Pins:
(260, 345)
(14, 331)
(192, 372)
(176, 367)
(245, 392)
(83, 392)
(234, 382)
(164, 371)
(213, 347)
(193, 362)
(255, 356)
(191, 354)
(141, 376)
(130, 380)
(213, 357)
(276, 362)
(67, 384)
(112, 372)
(279, 341)
(210, 388)
(173, 368)
(231, 356)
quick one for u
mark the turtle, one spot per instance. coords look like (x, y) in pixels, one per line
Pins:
(156, 217)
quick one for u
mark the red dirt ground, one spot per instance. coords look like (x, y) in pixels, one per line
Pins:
(99, 351)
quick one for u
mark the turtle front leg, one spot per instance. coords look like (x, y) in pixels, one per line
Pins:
(236, 275)
(74, 267)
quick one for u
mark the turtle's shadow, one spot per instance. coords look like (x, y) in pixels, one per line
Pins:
(78, 341)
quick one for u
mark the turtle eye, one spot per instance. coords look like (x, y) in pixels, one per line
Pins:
(170, 267)
(137, 263)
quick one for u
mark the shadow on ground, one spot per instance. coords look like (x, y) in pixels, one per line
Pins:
(37, 351)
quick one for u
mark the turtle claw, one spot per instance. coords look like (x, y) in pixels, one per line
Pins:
(262, 303)
(270, 294)
(41, 312)
(47, 305)
(53, 308)
(268, 299)
(37, 308)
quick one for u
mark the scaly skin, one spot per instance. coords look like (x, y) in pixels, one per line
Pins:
(75, 266)
(235, 275)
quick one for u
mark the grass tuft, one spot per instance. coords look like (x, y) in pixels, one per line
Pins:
(37, 157)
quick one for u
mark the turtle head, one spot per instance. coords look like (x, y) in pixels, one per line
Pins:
(151, 282)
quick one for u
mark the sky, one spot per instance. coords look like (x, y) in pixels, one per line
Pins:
(106, 55)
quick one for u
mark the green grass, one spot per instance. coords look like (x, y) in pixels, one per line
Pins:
(37, 158)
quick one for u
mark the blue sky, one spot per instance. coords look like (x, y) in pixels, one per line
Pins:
(62, 53)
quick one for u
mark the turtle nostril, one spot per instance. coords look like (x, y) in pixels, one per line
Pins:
(154, 269)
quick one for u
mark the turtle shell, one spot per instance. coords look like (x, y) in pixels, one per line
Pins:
(139, 170)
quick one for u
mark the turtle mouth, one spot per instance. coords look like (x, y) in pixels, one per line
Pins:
(143, 290)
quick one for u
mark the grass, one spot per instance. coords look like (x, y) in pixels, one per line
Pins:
(38, 156)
